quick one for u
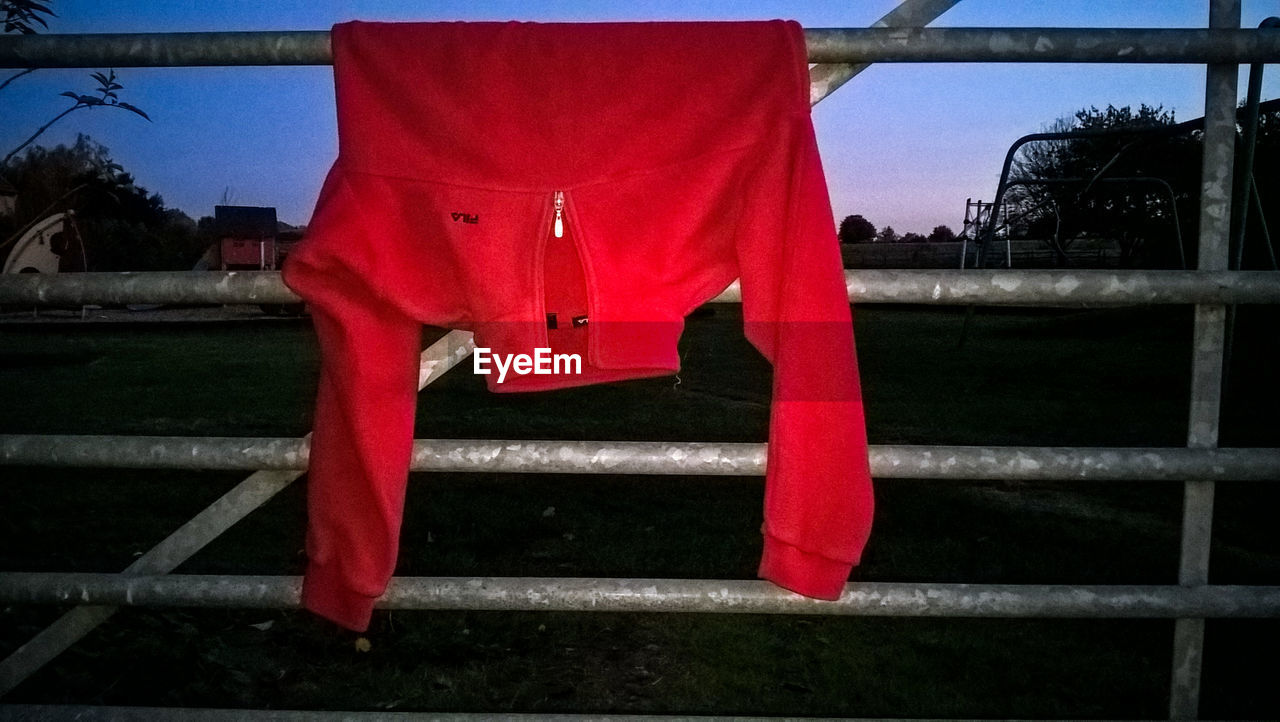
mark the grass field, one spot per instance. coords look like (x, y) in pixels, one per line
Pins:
(1035, 377)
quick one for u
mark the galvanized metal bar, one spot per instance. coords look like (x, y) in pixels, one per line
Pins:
(293, 47)
(1207, 355)
(643, 457)
(825, 45)
(658, 595)
(943, 287)
(247, 496)
(1040, 45)
(155, 452)
(446, 352)
(825, 78)
(119, 713)
(178, 287)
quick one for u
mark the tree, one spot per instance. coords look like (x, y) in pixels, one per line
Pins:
(107, 86)
(1066, 189)
(125, 227)
(21, 16)
(941, 234)
(128, 228)
(887, 235)
(856, 229)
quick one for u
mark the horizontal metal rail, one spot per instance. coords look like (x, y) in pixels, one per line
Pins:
(653, 457)
(1057, 287)
(825, 45)
(658, 595)
(921, 286)
(76, 289)
(120, 713)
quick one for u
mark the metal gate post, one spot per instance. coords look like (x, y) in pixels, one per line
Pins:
(1207, 359)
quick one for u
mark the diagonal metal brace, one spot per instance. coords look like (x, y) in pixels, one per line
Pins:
(824, 78)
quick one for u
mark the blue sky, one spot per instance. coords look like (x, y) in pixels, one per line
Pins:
(903, 145)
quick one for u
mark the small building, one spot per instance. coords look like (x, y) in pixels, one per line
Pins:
(247, 237)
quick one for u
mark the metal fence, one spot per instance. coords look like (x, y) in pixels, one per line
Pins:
(840, 54)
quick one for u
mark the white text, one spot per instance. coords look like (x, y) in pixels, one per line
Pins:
(541, 363)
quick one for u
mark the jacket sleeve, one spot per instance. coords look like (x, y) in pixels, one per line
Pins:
(362, 437)
(818, 499)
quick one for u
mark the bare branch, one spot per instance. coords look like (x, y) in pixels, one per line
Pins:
(43, 128)
(15, 76)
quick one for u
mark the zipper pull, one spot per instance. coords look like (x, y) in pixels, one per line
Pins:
(559, 226)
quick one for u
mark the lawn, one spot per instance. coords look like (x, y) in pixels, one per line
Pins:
(1035, 377)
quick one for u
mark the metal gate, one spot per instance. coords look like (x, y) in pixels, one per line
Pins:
(839, 54)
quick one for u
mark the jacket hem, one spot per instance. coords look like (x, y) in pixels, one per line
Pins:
(324, 594)
(802, 572)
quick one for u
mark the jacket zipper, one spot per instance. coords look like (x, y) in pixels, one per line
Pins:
(559, 206)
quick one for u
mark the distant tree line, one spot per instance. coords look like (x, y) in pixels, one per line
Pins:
(1129, 177)
(856, 229)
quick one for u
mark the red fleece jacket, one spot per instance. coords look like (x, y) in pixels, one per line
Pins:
(579, 188)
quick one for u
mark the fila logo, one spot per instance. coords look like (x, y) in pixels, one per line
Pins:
(465, 217)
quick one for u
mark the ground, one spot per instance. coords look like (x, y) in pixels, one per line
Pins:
(1034, 377)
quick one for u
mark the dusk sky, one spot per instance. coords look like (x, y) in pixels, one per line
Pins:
(902, 144)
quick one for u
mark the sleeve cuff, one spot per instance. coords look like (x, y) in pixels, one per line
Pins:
(324, 594)
(812, 575)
